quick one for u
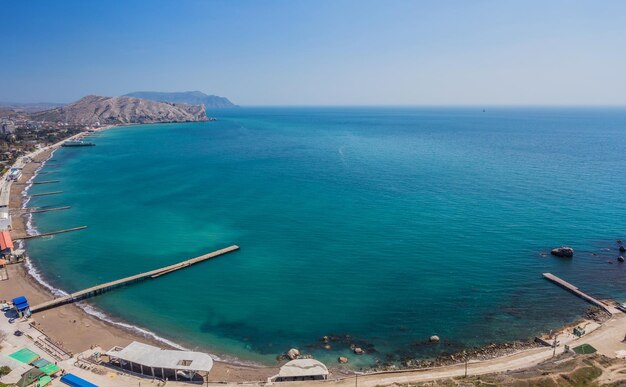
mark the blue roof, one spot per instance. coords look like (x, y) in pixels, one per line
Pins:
(20, 303)
(73, 380)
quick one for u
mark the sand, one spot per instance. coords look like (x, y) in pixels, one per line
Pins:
(71, 327)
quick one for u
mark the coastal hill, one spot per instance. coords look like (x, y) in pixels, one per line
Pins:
(121, 110)
(189, 97)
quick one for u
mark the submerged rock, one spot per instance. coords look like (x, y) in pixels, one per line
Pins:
(434, 339)
(620, 259)
(622, 249)
(342, 359)
(563, 251)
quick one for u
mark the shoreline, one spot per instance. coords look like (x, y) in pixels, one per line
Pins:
(78, 327)
(103, 331)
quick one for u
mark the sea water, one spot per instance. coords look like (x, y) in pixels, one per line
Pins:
(378, 226)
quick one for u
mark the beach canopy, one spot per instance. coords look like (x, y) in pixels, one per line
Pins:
(5, 241)
(75, 381)
(44, 381)
(50, 369)
(41, 363)
(301, 369)
(25, 356)
(20, 303)
(29, 377)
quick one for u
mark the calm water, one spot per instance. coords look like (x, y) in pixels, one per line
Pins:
(388, 225)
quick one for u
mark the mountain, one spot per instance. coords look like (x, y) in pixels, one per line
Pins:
(121, 110)
(190, 97)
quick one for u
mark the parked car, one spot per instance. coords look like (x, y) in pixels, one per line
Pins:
(18, 333)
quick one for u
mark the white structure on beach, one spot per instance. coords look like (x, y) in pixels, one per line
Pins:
(301, 369)
(160, 363)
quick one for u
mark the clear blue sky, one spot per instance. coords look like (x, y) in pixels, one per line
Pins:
(318, 52)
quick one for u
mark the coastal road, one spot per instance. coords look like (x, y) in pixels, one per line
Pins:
(606, 338)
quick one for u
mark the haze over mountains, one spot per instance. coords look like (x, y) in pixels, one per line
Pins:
(189, 97)
(121, 110)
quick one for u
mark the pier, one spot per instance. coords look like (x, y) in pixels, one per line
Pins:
(35, 210)
(567, 286)
(40, 182)
(46, 182)
(47, 193)
(99, 289)
(47, 172)
(49, 233)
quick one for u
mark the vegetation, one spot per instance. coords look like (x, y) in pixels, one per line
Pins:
(4, 370)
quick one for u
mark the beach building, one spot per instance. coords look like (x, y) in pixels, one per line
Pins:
(14, 174)
(75, 381)
(301, 369)
(20, 304)
(6, 243)
(161, 363)
(5, 218)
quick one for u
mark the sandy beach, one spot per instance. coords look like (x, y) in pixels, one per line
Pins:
(71, 327)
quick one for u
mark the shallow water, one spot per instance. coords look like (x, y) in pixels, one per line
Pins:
(388, 225)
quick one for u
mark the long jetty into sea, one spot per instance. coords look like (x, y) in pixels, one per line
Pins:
(43, 234)
(47, 193)
(36, 210)
(567, 286)
(99, 289)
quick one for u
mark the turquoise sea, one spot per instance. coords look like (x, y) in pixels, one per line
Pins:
(384, 224)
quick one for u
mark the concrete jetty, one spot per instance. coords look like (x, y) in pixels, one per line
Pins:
(49, 233)
(46, 182)
(47, 193)
(35, 210)
(38, 210)
(99, 289)
(40, 182)
(567, 286)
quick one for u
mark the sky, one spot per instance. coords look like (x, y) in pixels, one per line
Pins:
(297, 52)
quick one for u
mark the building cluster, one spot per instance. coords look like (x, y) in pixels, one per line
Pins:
(20, 135)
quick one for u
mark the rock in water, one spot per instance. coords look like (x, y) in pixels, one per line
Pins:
(563, 251)
(359, 351)
(434, 339)
(622, 249)
(293, 354)
(620, 258)
(342, 359)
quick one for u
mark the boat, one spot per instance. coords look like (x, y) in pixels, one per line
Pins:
(77, 143)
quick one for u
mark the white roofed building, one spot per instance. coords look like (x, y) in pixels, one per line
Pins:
(160, 363)
(300, 370)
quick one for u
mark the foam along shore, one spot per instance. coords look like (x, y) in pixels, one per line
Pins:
(78, 327)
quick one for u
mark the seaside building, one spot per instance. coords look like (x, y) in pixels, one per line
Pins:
(6, 243)
(161, 363)
(20, 304)
(14, 174)
(300, 370)
(5, 219)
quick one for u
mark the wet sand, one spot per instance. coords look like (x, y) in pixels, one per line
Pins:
(72, 328)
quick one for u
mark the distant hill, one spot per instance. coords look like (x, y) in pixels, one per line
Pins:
(121, 110)
(29, 107)
(190, 97)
